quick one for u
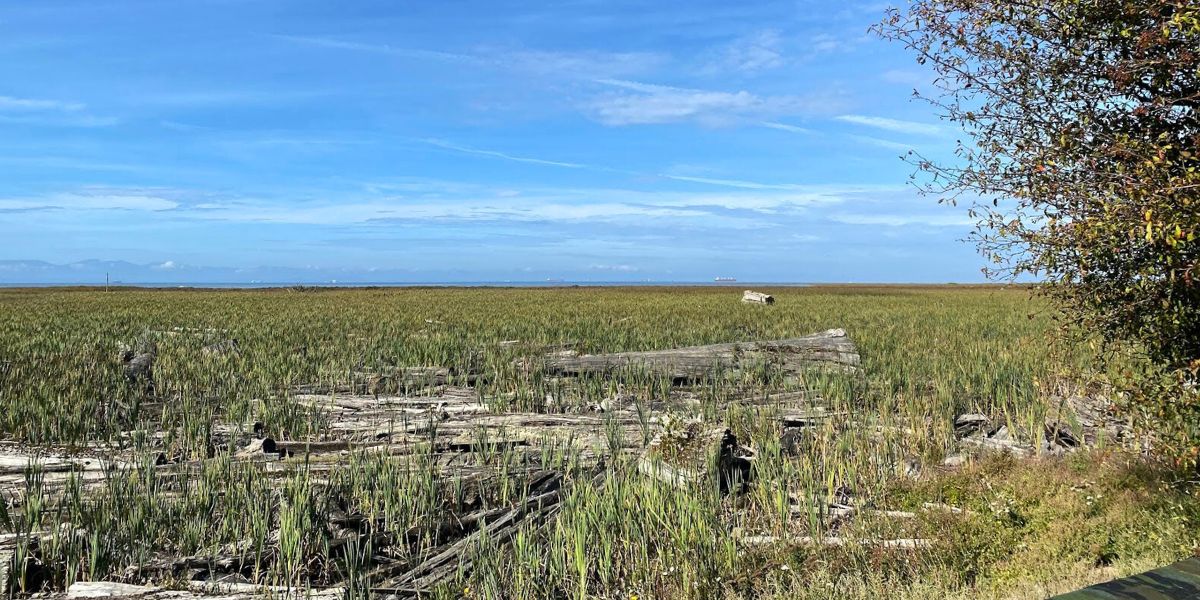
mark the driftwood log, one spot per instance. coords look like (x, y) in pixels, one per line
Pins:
(833, 541)
(796, 355)
(757, 297)
(196, 590)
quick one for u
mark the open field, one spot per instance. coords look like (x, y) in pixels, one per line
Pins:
(402, 442)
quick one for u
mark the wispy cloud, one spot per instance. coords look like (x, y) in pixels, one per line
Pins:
(894, 125)
(713, 181)
(786, 127)
(652, 103)
(66, 163)
(824, 43)
(60, 120)
(339, 44)
(882, 143)
(615, 268)
(452, 202)
(47, 112)
(10, 103)
(184, 98)
(464, 210)
(900, 220)
(581, 64)
(735, 183)
(89, 202)
(503, 155)
(759, 51)
(584, 63)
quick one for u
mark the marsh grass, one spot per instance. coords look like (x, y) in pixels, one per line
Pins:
(928, 354)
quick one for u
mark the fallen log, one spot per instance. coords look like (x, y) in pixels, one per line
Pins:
(6, 560)
(830, 348)
(757, 297)
(999, 445)
(832, 541)
(390, 380)
(196, 590)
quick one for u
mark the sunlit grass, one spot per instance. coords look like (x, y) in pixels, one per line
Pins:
(928, 354)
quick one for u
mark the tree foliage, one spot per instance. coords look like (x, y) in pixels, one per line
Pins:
(1082, 165)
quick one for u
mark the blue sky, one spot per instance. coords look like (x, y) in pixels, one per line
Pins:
(465, 141)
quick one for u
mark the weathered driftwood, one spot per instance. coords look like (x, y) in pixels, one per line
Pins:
(757, 297)
(105, 589)
(55, 468)
(6, 560)
(457, 416)
(999, 445)
(940, 507)
(455, 428)
(796, 355)
(400, 580)
(196, 590)
(222, 348)
(842, 511)
(392, 380)
(897, 544)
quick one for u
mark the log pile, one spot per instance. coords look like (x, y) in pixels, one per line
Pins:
(429, 410)
(831, 348)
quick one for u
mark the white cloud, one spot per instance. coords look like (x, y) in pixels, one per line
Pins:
(590, 64)
(650, 103)
(882, 143)
(900, 220)
(735, 183)
(51, 119)
(895, 125)
(223, 97)
(10, 103)
(166, 266)
(585, 63)
(615, 268)
(338, 44)
(53, 113)
(100, 201)
(458, 210)
(759, 51)
(823, 43)
(751, 206)
(502, 155)
(786, 127)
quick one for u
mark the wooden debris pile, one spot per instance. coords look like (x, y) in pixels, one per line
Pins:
(831, 348)
(980, 432)
(433, 410)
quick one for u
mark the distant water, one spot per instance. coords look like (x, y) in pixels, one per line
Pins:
(365, 284)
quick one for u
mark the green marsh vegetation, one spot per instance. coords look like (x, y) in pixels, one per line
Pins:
(176, 496)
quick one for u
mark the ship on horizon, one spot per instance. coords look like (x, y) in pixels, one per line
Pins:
(724, 279)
